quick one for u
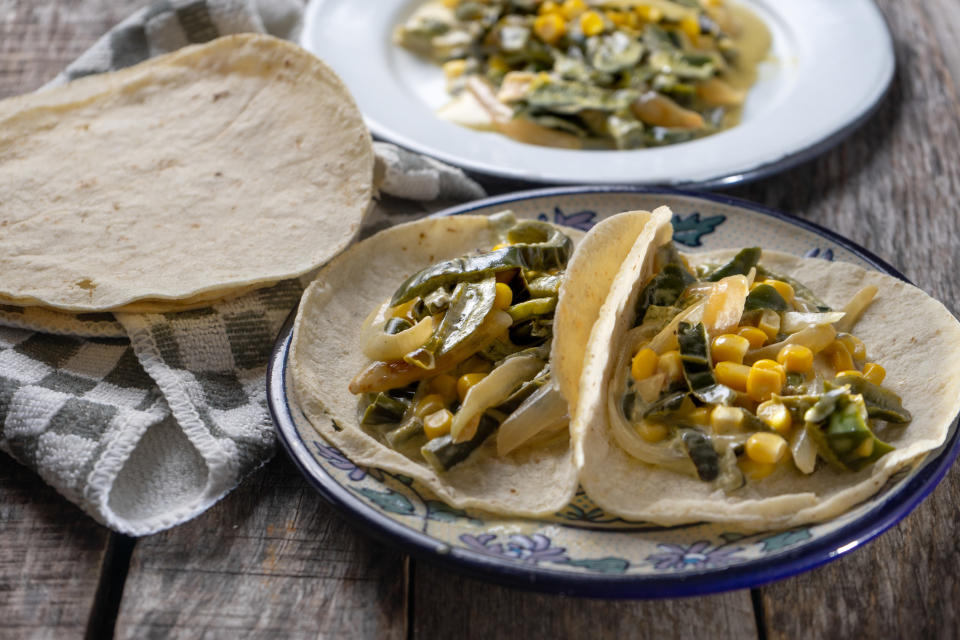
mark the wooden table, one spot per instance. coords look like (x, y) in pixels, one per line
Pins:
(274, 560)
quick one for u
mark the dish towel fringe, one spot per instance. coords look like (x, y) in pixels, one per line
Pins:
(146, 420)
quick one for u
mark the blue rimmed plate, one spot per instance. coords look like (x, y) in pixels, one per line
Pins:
(829, 66)
(581, 550)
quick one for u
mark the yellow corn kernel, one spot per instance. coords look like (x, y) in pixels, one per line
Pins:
(729, 348)
(769, 323)
(652, 431)
(549, 6)
(755, 470)
(766, 447)
(454, 68)
(732, 374)
(549, 27)
(690, 25)
(498, 64)
(466, 381)
(754, 336)
(618, 18)
(644, 364)
(572, 8)
(796, 357)
(670, 365)
(446, 385)
(429, 404)
(504, 296)
(437, 423)
(783, 288)
(763, 383)
(839, 356)
(648, 12)
(854, 345)
(700, 416)
(776, 416)
(451, 4)
(591, 23)
(874, 372)
(725, 419)
(773, 365)
(865, 449)
(850, 372)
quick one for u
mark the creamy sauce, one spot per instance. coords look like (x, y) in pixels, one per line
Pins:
(753, 43)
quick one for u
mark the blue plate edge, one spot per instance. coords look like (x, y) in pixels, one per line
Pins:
(537, 578)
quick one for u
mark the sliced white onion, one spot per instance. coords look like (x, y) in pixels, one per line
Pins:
(855, 308)
(490, 392)
(804, 451)
(814, 338)
(544, 410)
(379, 345)
(793, 321)
(725, 304)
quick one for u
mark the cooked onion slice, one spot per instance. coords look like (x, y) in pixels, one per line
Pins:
(725, 304)
(379, 345)
(814, 338)
(793, 321)
(490, 392)
(855, 308)
(544, 410)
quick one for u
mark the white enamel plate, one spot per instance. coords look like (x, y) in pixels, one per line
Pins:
(830, 64)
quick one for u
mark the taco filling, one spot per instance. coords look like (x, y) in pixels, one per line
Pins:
(732, 369)
(461, 350)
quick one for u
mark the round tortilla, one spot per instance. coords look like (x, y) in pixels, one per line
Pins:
(326, 354)
(912, 335)
(182, 180)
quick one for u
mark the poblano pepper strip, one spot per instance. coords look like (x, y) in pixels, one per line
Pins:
(544, 247)
(881, 403)
(763, 296)
(843, 439)
(739, 265)
(530, 308)
(664, 289)
(470, 304)
(383, 409)
(702, 453)
(697, 371)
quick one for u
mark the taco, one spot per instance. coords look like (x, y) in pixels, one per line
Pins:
(474, 332)
(756, 388)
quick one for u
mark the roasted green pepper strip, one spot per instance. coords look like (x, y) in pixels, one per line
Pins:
(664, 289)
(838, 427)
(702, 453)
(697, 371)
(443, 453)
(552, 252)
(763, 296)
(383, 409)
(470, 304)
(740, 265)
(530, 308)
(882, 403)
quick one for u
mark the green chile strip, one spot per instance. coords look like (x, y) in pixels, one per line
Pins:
(882, 403)
(470, 304)
(763, 296)
(664, 289)
(702, 453)
(739, 265)
(552, 253)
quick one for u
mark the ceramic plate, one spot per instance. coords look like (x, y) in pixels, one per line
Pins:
(830, 65)
(582, 550)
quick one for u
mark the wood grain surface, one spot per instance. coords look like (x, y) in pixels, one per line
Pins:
(273, 560)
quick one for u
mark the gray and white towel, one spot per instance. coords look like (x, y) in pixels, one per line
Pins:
(146, 420)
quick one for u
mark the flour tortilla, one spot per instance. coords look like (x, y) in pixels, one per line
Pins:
(180, 181)
(326, 354)
(912, 335)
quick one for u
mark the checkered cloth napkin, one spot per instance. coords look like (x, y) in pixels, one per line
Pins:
(146, 420)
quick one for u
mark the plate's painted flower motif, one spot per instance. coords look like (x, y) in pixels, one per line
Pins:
(698, 555)
(339, 461)
(582, 220)
(817, 252)
(688, 231)
(528, 549)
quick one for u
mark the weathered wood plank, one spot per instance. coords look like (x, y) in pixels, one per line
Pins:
(892, 187)
(272, 560)
(446, 605)
(51, 555)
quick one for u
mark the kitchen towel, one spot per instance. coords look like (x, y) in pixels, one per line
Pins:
(146, 420)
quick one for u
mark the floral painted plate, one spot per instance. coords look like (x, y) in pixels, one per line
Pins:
(581, 550)
(830, 65)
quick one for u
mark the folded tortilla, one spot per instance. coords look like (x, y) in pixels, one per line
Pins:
(188, 178)
(326, 353)
(912, 335)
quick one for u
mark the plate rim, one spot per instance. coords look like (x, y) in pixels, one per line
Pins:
(750, 574)
(722, 179)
